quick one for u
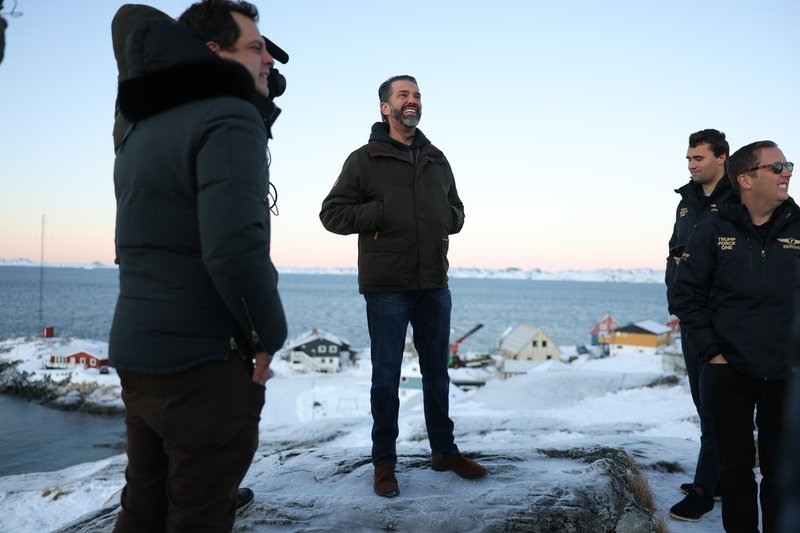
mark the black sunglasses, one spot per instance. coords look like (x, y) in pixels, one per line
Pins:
(777, 168)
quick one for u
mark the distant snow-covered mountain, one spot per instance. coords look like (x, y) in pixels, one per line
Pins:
(613, 275)
(20, 261)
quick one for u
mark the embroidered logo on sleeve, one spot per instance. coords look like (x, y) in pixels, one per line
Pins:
(790, 243)
(726, 243)
(683, 212)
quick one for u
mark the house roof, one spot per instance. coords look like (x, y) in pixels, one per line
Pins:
(645, 326)
(656, 327)
(314, 334)
(604, 325)
(82, 354)
(519, 337)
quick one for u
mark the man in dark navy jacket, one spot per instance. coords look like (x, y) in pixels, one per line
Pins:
(708, 188)
(733, 294)
(198, 316)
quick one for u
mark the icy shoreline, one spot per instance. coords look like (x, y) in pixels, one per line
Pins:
(22, 374)
(609, 275)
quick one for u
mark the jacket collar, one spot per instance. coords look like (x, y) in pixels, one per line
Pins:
(695, 190)
(738, 212)
(169, 67)
(380, 133)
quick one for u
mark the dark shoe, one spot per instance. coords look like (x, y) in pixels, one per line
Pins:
(693, 507)
(466, 468)
(244, 499)
(687, 487)
(385, 483)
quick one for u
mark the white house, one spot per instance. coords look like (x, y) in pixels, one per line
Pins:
(528, 343)
(317, 351)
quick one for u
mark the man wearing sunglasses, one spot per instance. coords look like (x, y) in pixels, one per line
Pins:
(707, 189)
(733, 291)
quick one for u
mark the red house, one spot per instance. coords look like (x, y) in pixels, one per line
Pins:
(602, 329)
(77, 359)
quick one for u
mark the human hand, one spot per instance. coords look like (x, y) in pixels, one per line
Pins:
(261, 371)
(718, 359)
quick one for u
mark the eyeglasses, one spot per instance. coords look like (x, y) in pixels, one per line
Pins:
(777, 168)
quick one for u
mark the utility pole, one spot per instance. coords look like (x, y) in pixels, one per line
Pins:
(41, 283)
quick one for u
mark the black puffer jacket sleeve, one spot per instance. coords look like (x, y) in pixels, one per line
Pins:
(690, 291)
(234, 221)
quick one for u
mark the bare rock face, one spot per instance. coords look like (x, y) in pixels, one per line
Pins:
(538, 490)
(58, 393)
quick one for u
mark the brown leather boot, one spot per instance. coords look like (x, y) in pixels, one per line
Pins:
(466, 468)
(385, 483)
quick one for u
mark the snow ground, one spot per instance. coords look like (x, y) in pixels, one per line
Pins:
(317, 424)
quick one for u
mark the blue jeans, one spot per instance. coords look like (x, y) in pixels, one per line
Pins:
(388, 317)
(706, 474)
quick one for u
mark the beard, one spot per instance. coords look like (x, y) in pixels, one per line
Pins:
(408, 122)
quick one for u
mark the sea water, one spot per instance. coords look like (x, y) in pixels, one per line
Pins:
(35, 438)
(80, 303)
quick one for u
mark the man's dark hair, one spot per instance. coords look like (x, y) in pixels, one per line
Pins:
(714, 138)
(745, 158)
(385, 90)
(212, 20)
(3, 26)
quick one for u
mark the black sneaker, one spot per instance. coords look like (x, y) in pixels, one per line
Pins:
(687, 487)
(692, 508)
(244, 499)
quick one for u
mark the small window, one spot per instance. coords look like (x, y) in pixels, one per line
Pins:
(535, 344)
(544, 344)
(333, 348)
(322, 349)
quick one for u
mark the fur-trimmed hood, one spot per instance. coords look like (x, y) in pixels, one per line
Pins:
(169, 67)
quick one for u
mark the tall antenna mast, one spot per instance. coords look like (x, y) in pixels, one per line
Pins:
(41, 283)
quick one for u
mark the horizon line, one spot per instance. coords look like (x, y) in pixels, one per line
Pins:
(23, 262)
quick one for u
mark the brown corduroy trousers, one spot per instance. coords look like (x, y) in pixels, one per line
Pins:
(191, 438)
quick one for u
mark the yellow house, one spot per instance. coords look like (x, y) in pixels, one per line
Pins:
(647, 336)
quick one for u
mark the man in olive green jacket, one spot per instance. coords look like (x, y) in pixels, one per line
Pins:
(398, 194)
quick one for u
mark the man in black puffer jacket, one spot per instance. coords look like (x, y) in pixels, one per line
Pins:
(733, 291)
(398, 193)
(198, 315)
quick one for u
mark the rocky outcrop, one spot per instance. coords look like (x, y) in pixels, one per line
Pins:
(546, 490)
(60, 393)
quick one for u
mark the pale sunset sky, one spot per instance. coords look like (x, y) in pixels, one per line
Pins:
(566, 123)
